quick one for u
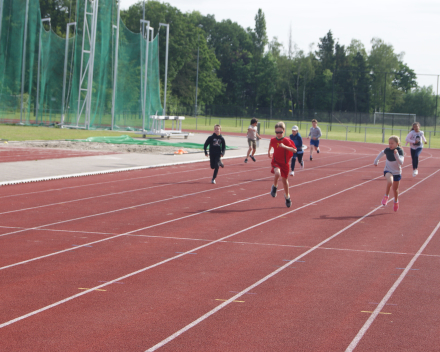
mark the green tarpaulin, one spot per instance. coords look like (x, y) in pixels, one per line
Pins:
(128, 140)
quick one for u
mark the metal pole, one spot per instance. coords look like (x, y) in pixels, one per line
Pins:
(147, 24)
(23, 66)
(166, 68)
(115, 74)
(436, 107)
(63, 99)
(37, 104)
(430, 139)
(143, 18)
(346, 133)
(365, 138)
(197, 77)
(383, 112)
(331, 111)
(326, 133)
(1, 17)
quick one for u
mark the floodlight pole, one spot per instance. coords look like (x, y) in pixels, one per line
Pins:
(37, 104)
(436, 107)
(144, 94)
(63, 99)
(197, 75)
(115, 75)
(166, 68)
(1, 18)
(23, 65)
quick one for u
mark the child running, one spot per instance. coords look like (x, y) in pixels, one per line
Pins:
(393, 169)
(252, 136)
(414, 138)
(217, 147)
(315, 134)
(283, 149)
(295, 137)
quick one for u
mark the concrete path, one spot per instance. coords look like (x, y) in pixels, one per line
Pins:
(31, 171)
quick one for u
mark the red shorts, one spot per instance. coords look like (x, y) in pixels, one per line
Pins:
(284, 168)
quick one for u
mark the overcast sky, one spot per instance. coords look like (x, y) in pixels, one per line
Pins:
(411, 26)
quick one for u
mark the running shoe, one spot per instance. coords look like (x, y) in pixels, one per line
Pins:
(213, 181)
(273, 191)
(396, 206)
(252, 157)
(302, 165)
(317, 151)
(288, 202)
(415, 173)
(311, 158)
(220, 164)
(385, 200)
(245, 160)
(292, 173)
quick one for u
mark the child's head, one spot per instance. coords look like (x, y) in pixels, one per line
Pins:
(393, 142)
(295, 130)
(415, 127)
(254, 121)
(314, 122)
(217, 129)
(279, 129)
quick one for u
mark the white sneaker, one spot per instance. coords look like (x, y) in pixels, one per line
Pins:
(415, 173)
(302, 165)
(292, 173)
(213, 181)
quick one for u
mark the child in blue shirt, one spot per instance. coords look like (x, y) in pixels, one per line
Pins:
(295, 137)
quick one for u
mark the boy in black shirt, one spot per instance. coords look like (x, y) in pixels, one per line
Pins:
(217, 146)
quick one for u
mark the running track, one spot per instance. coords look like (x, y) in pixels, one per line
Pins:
(160, 259)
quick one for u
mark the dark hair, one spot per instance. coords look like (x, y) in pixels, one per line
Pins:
(254, 120)
(412, 126)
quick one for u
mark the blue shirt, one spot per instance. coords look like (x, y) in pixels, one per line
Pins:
(298, 142)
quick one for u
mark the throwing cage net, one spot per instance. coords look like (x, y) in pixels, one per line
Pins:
(93, 78)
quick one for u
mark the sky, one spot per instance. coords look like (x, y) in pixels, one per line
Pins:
(410, 26)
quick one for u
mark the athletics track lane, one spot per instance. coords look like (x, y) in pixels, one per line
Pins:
(26, 154)
(250, 268)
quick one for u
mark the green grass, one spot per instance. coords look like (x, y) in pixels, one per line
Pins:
(337, 131)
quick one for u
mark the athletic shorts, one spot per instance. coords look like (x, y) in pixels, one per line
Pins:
(395, 177)
(252, 143)
(284, 168)
(314, 142)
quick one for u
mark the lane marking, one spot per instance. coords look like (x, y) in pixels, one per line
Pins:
(159, 224)
(388, 295)
(366, 311)
(96, 289)
(232, 301)
(238, 295)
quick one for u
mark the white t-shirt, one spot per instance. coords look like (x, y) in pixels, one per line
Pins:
(415, 139)
(252, 133)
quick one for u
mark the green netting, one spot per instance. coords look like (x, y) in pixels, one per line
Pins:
(45, 66)
(128, 140)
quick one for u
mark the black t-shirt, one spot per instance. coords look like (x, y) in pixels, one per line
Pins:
(390, 153)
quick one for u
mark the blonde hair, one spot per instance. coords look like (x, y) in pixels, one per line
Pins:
(217, 126)
(315, 120)
(280, 125)
(395, 139)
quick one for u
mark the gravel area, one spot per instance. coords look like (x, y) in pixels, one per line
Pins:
(104, 147)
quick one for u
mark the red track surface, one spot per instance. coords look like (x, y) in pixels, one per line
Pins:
(163, 250)
(24, 154)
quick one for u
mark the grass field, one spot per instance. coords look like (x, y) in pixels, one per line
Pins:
(365, 133)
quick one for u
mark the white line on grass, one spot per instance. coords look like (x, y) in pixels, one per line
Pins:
(388, 295)
(267, 277)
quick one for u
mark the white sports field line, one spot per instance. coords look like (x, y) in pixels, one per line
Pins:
(207, 245)
(152, 226)
(249, 288)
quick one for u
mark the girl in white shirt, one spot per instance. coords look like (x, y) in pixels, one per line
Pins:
(414, 138)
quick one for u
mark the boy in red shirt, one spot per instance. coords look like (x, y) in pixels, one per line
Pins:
(283, 152)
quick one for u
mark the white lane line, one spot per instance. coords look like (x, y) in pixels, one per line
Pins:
(207, 245)
(185, 253)
(162, 223)
(163, 200)
(238, 295)
(388, 295)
